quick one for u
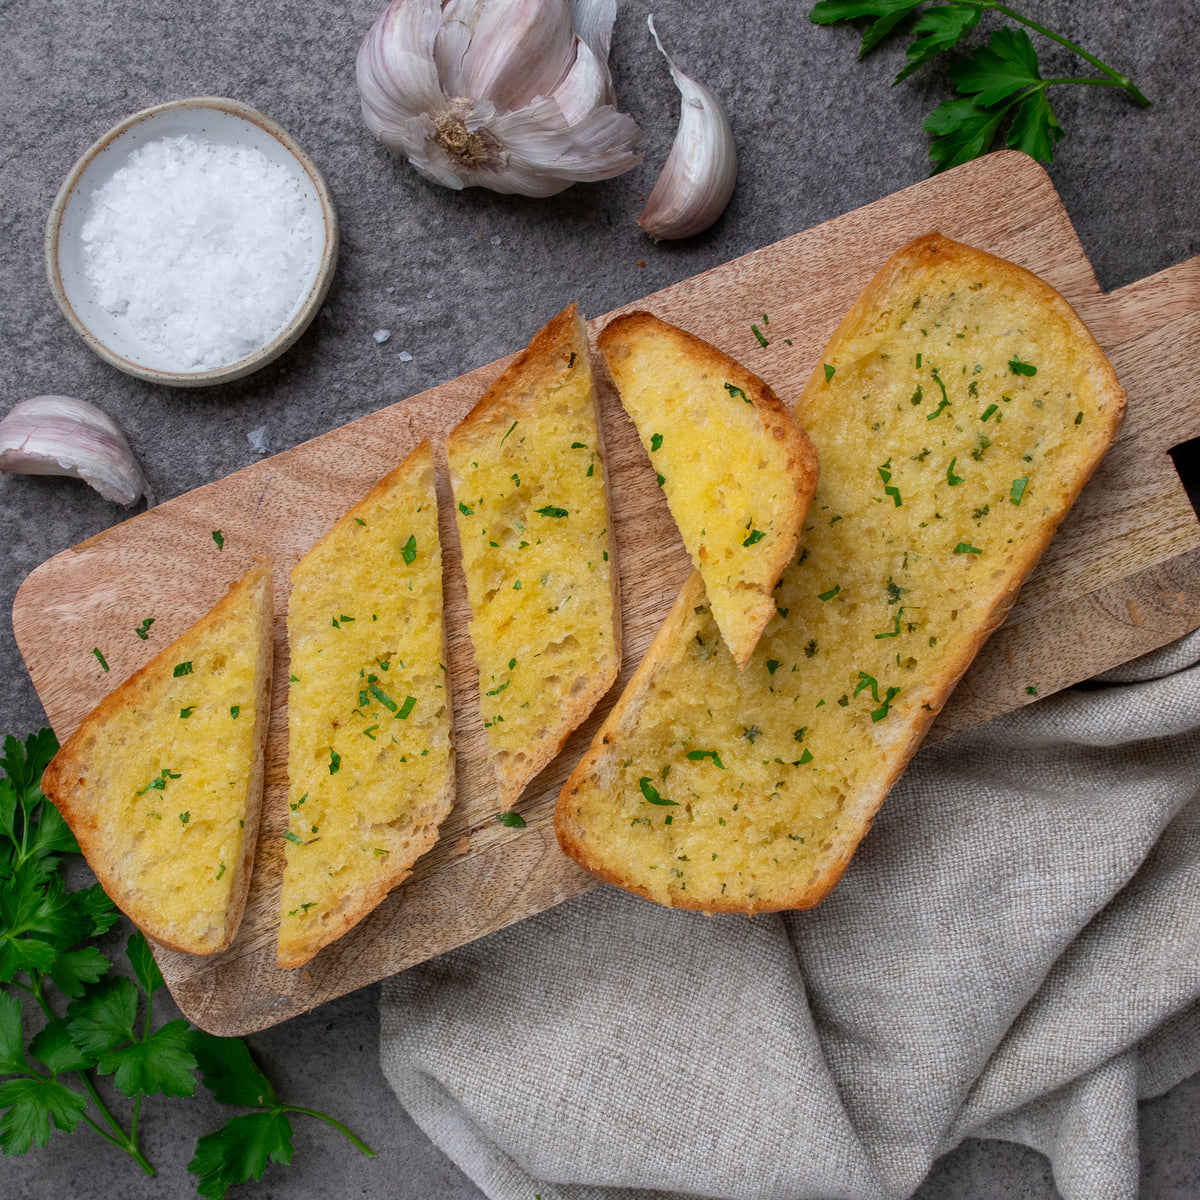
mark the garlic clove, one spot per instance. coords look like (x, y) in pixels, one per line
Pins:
(397, 73)
(519, 50)
(586, 86)
(59, 435)
(698, 177)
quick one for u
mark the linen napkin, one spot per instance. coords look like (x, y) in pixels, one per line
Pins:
(1014, 952)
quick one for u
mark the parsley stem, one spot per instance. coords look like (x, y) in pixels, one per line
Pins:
(312, 1112)
(1119, 80)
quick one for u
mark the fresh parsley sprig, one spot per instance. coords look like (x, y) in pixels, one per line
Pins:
(999, 82)
(54, 1080)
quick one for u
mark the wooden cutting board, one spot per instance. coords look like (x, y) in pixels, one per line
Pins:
(1122, 576)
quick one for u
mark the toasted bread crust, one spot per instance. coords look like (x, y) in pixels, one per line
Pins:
(633, 345)
(66, 780)
(533, 376)
(882, 764)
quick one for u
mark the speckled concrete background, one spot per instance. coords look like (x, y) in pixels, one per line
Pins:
(460, 279)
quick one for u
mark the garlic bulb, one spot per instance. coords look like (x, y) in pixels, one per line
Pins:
(512, 95)
(58, 435)
(697, 180)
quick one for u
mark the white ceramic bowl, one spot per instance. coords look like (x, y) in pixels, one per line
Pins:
(209, 118)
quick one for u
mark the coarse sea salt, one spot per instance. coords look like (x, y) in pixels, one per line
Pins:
(205, 250)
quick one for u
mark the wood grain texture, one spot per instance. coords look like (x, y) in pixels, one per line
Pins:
(1121, 578)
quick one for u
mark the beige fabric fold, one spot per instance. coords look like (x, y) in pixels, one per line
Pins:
(1013, 953)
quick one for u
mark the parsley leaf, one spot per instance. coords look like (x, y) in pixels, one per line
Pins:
(53, 1046)
(511, 819)
(240, 1150)
(12, 1056)
(104, 1017)
(159, 1063)
(32, 1104)
(78, 967)
(137, 950)
(937, 29)
(228, 1071)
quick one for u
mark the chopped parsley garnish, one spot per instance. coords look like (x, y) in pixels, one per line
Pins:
(143, 630)
(360, 521)
(1018, 489)
(511, 819)
(736, 393)
(497, 690)
(512, 662)
(648, 790)
(335, 761)
(187, 712)
(159, 782)
(700, 755)
(235, 711)
(406, 708)
(829, 595)
(579, 445)
(891, 633)
(661, 478)
(510, 429)
(656, 441)
(752, 734)
(772, 665)
(465, 509)
(952, 479)
(937, 412)
(219, 538)
(184, 817)
(756, 535)
(762, 341)
(99, 657)
(296, 841)
(889, 489)
(963, 548)
(220, 870)
(181, 669)
(379, 695)
(369, 732)
(552, 511)
(830, 371)
(989, 411)
(811, 649)
(806, 757)
(517, 586)
(798, 735)
(1079, 418)
(919, 394)
(1017, 367)
(1031, 691)
(409, 550)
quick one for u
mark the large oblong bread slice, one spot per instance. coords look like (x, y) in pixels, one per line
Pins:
(958, 411)
(738, 473)
(370, 757)
(527, 467)
(161, 783)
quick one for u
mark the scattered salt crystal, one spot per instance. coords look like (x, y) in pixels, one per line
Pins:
(205, 250)
(327, 312)
(402, 310)
(382, 335)
(404, 356)
(260, 439)
(429, 294)
(390, 290)
(496, 239)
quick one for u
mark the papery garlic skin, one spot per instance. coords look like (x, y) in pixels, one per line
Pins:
(512, 95)
(59, 435)
(698, 178)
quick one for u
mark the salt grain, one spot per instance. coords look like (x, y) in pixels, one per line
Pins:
(382, 335)
(404, 356)
(260, 439)
(205, 250)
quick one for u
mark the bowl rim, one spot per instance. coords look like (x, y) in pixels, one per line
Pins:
(286, 336)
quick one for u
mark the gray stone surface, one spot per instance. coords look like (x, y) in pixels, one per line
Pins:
(818, 133)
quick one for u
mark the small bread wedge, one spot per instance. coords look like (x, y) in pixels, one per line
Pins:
(738, 473)
(161, 783)
(527, 468)
(958, 411)
(370, 755)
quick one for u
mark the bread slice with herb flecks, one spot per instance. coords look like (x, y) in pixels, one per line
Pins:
(370, 758)
(162, 781)
(958, 411)
(527, 467)
(737, 471)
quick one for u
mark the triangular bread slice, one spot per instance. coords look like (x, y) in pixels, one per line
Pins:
(370, 757)
(161, 783)
(738, 473)
(527, 467)
(958, 411)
